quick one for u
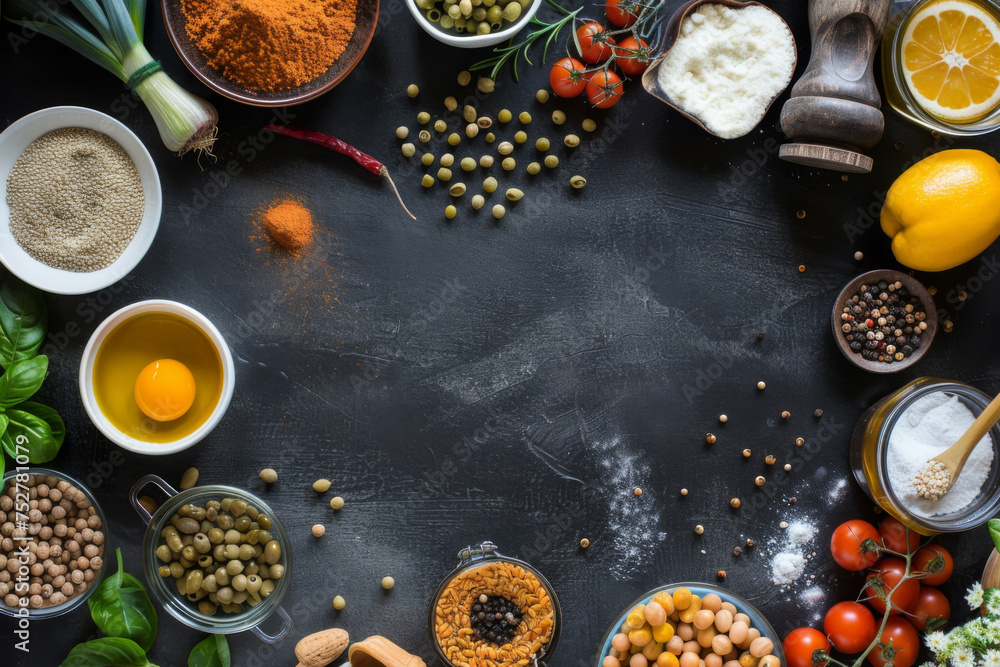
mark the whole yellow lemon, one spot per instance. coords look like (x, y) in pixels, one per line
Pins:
(944, 210)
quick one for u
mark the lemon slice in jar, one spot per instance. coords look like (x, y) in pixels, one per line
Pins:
(951, 60)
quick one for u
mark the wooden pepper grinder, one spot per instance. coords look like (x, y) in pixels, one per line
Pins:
(833, 113)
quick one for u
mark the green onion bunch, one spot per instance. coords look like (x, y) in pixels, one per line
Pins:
(109, 33)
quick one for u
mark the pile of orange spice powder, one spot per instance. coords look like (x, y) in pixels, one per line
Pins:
(289, 223)
(270, 45)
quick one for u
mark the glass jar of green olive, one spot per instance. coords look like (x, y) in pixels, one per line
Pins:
(216, 558)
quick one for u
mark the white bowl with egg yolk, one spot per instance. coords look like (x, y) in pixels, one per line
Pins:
(87, 392)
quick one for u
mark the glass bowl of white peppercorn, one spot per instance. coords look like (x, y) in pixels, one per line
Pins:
(66, 539)
(225, 545)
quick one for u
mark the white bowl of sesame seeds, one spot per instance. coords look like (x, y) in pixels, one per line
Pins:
(90, 269)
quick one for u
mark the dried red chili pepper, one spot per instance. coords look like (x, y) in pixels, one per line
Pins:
(344, 148)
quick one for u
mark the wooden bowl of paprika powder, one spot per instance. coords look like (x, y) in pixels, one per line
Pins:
(265, 55)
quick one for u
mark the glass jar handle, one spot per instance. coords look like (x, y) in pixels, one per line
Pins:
(286, 628)
(133, 494)
(484, 550)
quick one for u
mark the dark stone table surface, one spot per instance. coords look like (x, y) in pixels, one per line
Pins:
(468, 380)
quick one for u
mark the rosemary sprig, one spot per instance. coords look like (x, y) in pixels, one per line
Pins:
(512, 50)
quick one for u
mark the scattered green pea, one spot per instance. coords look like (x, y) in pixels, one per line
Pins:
(505, 148)
(468, 164)
(571, 141)
(542, 95)
(339, 603)
(188, 479)
(402, 132)
(490, 137)
(427, 159)
(577, 182)
(478, 201)
(427, 181)
(558, 117)
(490, 184)
(471, 130)
(388, 583)
(268, 476)
(534, 168)
(457, 190)
(589, 125)
(447, 160)
(520, 137)
(464, 78)
(440, 125)
(454, 139)
(423, 118)
(469, 113)
(484, 122)
(486, 161)
(513, 194)
(508, 164)
(524, 117)
(498, 211)
(450, 211)
(484, 84)
(337, 503)
(409, 150)
(504, 116)
(424, 136)
(444, 174)
(551, 161)
(321, 485)
(542, 144)
(412, 90)
(450, 103)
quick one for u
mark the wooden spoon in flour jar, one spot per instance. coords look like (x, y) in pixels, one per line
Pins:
(938, 474)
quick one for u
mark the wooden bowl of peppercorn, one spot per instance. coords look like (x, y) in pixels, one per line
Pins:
(900, 335)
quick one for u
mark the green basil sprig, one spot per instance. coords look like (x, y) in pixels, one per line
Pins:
(107, 652)
(121, 608)
(37, 428)
(23, 321)
(994, 526)
(212, 651)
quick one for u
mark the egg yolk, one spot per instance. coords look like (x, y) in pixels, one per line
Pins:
(165, 390)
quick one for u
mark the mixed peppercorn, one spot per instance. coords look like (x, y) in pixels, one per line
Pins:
(495, 619)
(884, 322)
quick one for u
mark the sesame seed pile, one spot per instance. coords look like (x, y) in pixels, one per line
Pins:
(75, 200)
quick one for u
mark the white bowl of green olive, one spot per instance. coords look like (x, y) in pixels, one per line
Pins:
(473, 24)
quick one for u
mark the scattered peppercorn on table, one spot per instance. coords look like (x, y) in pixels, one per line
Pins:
(607, 343)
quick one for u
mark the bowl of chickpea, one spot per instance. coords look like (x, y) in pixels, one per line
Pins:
(688, 625)
(61, 528)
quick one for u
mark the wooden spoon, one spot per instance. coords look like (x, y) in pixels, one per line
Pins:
(938, 474)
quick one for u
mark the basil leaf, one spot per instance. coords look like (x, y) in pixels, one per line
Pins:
(36, 429)
(121, 608)
(212, 651)
(23, 321)
(107, 652)
(22, 380)
(994, 526)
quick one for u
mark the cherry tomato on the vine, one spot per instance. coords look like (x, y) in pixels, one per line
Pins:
(800, 645)
(633, 56)
(901, 640)
(567, 77)
(604, 89)
(895, 535)
(936, 560)
(887, 577)
(622, 13)
(931, 604)
(848, 545)
(850, 627)
(596, 45)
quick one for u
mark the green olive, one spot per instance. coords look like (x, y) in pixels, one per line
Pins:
(202, 544)
(194, 579)
(494, 14)
(188, 553)
(239, 582)
(264, 521)
(164, 571)
(210, 583)
(225, 594)
(272, 552)
(206, 561)
(226, 502)
(219, 552)
(234, 567)
(242, 523)
(163, 553)
(231, 552)
(207, 607)
(216, 536)
(267, 587)
(277, 571)
(176, 570)
(246, 552)
(512, 12)
(225, 521)
(233, 536)
(188, 525)
(253, 584)
(222, 577)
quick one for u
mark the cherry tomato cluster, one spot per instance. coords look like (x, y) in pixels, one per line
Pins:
(850, 627)
(601, 51)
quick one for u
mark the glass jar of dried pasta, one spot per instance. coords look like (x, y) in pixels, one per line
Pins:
(497, 609)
